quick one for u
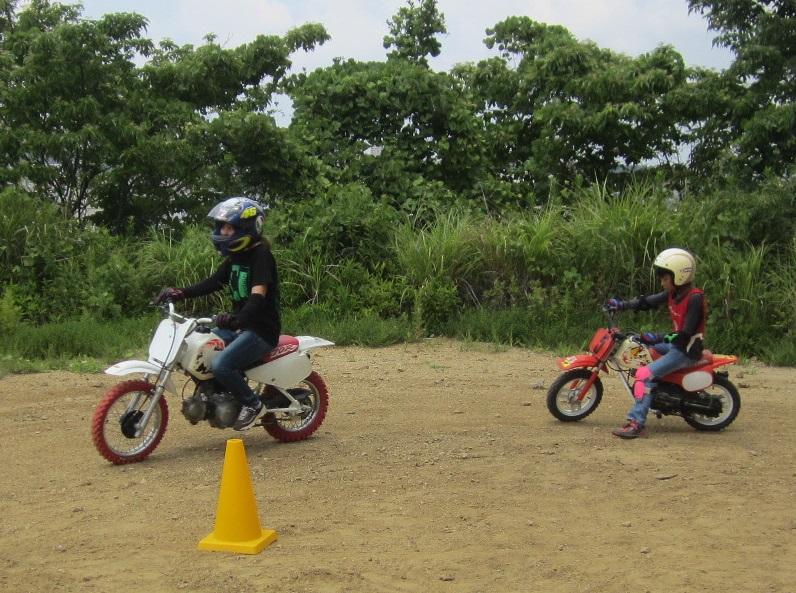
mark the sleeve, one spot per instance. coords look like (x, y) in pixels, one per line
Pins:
(251, 310)
(215, 282)
(649, 301)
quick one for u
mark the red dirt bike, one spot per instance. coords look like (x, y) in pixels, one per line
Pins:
(131, 418)
(704, 397)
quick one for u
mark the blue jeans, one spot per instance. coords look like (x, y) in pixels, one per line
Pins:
(672, 360)
(242, 349)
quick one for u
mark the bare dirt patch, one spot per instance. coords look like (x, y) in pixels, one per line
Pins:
(438, 469)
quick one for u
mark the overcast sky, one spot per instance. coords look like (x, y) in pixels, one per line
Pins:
(358, 26)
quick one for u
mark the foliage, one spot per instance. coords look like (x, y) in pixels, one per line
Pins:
(395, 125)
(437, 301)
(90, 131)
(569, 108)
(413, 30)
(503, 200)
(756, 126)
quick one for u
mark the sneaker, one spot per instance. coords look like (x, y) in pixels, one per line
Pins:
(630, 430)
(248, 415)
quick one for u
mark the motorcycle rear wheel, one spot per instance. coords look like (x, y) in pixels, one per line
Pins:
(289, 429)
(724, 390)
(562, 396)
(114, 418)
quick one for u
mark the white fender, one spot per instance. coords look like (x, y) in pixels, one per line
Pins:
(128, 367)
(287, 371)
(307, 343)
(283, 372)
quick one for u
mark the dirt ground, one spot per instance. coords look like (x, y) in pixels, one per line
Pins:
(438, 469)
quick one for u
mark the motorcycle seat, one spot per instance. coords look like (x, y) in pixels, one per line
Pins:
(286, 345)
(707, 357)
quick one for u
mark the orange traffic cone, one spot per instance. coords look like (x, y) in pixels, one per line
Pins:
(237, 527)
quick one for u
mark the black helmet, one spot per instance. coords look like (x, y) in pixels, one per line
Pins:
(245, 215)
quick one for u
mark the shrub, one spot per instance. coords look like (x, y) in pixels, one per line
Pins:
(10, 312)
(436, 302)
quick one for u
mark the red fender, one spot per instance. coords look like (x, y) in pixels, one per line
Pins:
(578, 361)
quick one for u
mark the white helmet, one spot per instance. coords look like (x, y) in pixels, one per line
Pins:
(679, 262)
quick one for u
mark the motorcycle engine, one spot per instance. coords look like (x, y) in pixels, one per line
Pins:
(209, 402)
(668, 398)
(673, 399)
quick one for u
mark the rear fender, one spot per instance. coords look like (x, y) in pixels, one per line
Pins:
(577, 361)
(307, 343)
(700, 376)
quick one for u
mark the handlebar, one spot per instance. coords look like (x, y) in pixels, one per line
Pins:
(168, 308)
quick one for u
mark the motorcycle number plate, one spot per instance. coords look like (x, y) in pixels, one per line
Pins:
(163, 342)
(697, 381)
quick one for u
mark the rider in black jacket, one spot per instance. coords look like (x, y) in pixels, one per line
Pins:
(252, 328)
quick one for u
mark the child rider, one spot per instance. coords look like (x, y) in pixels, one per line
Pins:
(249, 271)
(675, 268)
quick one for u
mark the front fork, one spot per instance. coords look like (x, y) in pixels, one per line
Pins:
(160, 387)
(584, 390)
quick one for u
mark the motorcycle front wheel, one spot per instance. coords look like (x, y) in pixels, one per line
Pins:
(113, 424)
(562, 397)
(315, 400)
(723, 390)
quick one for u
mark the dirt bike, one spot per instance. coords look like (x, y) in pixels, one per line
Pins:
(703, 396)
(130, 420)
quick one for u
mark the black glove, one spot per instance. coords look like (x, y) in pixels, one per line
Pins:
(651, 338)
(169, 295)
(615, 304)
(226, 321)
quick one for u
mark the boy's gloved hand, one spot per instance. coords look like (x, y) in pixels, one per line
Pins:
(669, 338)
(169, 294)
(615, 304)
(226, 321)
(651, 338)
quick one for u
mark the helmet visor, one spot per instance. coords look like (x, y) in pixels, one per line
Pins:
(661, 272)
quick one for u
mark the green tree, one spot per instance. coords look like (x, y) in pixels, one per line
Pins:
(87, 129)
(413, 31)
(558, 107)
(399, 127)
(410, 134)
(753, 126)
(60, 79)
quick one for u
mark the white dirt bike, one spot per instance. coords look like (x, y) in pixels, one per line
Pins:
(130, 420)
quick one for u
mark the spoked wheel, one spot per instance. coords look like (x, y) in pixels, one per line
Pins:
(562, 397)
(726, 394)
(314, 400)
(113, 427)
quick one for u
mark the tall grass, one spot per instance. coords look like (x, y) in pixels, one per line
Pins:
(612, 239)
(535, 278)
(446, 249)
(165, 260)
